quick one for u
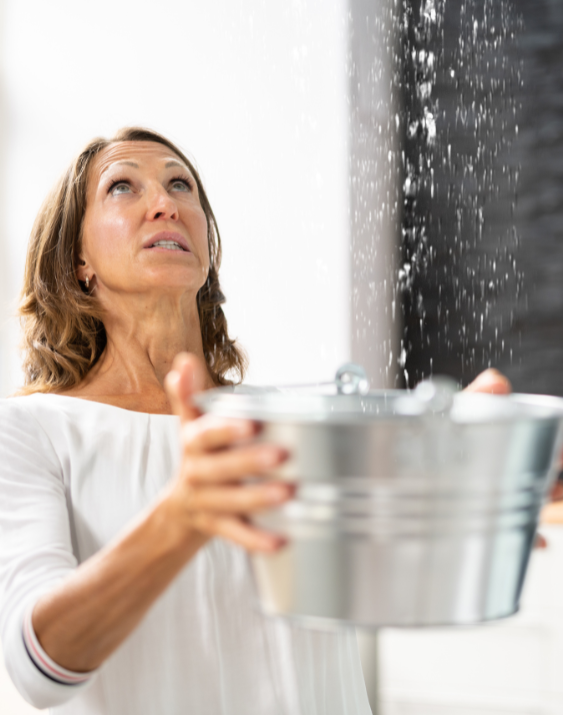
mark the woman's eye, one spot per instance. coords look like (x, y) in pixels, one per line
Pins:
(120, 188)
(180, 185)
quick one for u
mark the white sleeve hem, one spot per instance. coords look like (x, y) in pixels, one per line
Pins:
(44, 662)
(35, 686)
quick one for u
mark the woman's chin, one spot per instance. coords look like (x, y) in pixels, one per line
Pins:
(172, 277)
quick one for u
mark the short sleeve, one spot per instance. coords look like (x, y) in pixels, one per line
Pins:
(35, 544)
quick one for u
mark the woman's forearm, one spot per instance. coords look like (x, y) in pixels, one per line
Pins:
(82, 621)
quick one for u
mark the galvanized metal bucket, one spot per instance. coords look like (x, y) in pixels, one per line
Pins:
(412, 509)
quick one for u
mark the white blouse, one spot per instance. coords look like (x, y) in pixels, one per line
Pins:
(73, 474)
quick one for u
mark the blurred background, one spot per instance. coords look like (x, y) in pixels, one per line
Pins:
(387, 177)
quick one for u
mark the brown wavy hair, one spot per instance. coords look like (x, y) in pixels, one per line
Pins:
(63, 330)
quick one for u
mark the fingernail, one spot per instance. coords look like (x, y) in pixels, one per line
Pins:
(244, 429)
(193, 382)
(275, 544)
(173, 377)
(270, 457)
(277, 493)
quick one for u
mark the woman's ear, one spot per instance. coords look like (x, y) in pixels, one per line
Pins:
(82, 270)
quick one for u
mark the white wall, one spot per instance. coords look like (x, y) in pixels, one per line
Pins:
(255, 91)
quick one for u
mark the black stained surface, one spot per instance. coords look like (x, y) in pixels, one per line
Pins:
(486, 248)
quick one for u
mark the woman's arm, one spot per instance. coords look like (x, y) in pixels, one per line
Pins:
(84, 619)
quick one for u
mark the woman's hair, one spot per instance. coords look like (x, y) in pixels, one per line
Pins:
(63, 330)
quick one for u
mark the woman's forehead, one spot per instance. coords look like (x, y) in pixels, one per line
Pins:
(133, 152)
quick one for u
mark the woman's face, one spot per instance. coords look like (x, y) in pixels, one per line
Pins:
(144, 228)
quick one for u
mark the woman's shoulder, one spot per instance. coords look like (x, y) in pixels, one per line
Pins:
(38, 413)
(50, 423)
(23, 434)
(31, 411)
(63, 421)
(30, 405)
(40, 404)
(18, 406)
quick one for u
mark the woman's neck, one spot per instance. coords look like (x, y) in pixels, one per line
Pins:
(142, 341)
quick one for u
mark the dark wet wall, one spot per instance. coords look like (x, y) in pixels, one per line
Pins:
(483, 228)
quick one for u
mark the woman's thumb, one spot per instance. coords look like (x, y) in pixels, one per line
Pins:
(186, 378)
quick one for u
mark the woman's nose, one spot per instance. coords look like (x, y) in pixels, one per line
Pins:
(161, 206)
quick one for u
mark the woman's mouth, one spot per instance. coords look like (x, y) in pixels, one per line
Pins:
(169, 241)
(172, 245)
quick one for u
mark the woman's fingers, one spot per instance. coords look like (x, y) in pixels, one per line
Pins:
(232, 464)
(557, 491)
(216, 452)
(247, 499)
(552, 513)
(490, 381)
(185, 379)
(242, 533)
(211, 433)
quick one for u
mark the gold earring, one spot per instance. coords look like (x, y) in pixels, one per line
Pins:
(87, 282)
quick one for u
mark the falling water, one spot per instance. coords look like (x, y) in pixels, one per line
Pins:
(461, 101)
(459, 275)
(375, 190)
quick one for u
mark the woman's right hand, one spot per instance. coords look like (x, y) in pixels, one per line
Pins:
(218, 456)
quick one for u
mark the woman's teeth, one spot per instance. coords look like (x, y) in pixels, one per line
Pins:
(168, 244)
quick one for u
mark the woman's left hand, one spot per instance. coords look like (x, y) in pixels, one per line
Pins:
(490, 381)
(211, 489)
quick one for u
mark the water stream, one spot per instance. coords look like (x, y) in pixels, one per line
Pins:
(460, 278)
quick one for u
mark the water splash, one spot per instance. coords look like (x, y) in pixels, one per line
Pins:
(459, 274)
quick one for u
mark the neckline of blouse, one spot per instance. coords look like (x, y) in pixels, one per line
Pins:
(104, 404)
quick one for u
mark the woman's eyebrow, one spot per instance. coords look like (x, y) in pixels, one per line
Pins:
(127, 163)
(174, 163)
(118, 163)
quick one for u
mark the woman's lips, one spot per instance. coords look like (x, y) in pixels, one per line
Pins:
(167, 241)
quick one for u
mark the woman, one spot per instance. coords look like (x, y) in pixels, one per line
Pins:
(114, 598)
